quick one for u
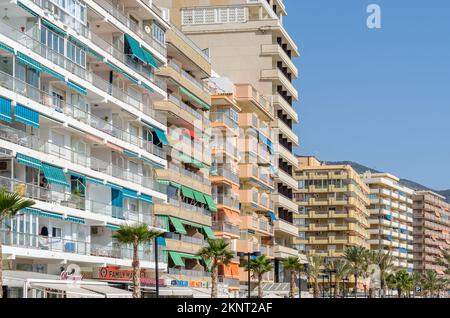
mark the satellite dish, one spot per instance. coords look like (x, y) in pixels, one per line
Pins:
(147, 29)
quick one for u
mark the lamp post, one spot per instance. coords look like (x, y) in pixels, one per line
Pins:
(249, 255)
(156, 267)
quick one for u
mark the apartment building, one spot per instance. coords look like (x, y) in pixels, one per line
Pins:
(333, 204)
(188, 213)
(79, 133)
(431, 230)
(255, 30)
(391, 217)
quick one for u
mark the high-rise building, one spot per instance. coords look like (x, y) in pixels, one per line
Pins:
(264, 67)
(431, 231)
(79, 133)
(391, 217)
(333, 216)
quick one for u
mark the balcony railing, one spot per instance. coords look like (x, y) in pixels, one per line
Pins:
(224, 171)
(190, 42)
(33, 142)
(186, 75)
(189, 174)
(226, 227)
(37, 47)
(227, 200)
(18, 86)
(188, 272)
(186, 239)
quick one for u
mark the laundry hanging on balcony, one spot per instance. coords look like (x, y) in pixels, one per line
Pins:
(5, 109)
(26, 115)
(54, 175)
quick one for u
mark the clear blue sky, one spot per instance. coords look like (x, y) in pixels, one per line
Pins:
(377, 97)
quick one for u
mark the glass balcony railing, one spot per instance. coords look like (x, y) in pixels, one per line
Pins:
(44, 98)
(185, 238)
(227, 201)
(225, 172)
(189, 207)
(226, 227)
(33, 142)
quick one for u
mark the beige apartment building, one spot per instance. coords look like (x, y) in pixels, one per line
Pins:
(255, 30)
(431, 231)
(333, 204)
(391, 217)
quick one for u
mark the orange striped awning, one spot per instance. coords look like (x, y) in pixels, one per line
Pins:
(232, 216)
(234, 270)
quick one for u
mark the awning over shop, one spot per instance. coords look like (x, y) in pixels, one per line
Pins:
(178, 224)
(5, 109)
(26, 115)
(55, 175)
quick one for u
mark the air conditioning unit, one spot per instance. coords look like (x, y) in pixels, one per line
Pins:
(97, 230)
(5, 165)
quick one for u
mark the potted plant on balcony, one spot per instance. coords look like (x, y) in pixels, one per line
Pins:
(216, 253)
(11, 203)
(135, 235)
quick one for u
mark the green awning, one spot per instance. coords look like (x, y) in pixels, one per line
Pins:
(179, 228)
(112, 227)
(55, 175)
(209, 233)
(198, 226)
(175, 185)
(75, 219)
(28, 161)
(20, 4)
(53, 27)
(165, 220)
(6, 47)
(211, 204)
(176, 258)
(150, 59)
(136, 49)
(161, 136)
(52, 73)
(195, 98)
(28, 61)
(187, 192)
(199, 197)
(77, 87)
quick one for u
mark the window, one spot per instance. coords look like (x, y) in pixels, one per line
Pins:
(52, 40)
(57, 99)
(76, 54)
(158, 33)
(56, 232)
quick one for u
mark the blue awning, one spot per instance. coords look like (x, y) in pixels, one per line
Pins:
(55, 175)
(75, 219)
(270, 146)
(114, 186)
(118, 70)
(136, 48)
(130, 153)
(54, 74)
(272, 216)
(150, 59)
(129, 194)
(161, 241)
(146, 198)
(26, 115)
(6, 47)
(50, 25)
(29, 161)
(94, 180)
(161, 136)
(43, 213)
(28, 61)
(112, 227)
(78, 88)
(5, 109)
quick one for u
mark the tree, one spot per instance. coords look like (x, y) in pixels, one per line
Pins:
(293, 265)
(217, 253)
(445, 261)
(315, 264)
(402, 281)
(341, 269)
(135, 235)
(259, 266)
(385, 262)
(11, 204)
(430, 282)
(356, 258)
(442, 285)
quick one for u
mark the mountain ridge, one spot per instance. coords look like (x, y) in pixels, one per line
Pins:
(408, 183)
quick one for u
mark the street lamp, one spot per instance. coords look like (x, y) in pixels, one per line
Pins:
(249, 255)
(157, 239)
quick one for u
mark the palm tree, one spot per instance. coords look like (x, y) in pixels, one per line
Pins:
(385, 262)
(315, 264)
(135, 235)
(293, 265)
(417, 279)
(404, 282)
(430, 282)
(259, 266)
(442, 285)
(217, 252)
(10, 205)
(341, 269)
(356, 258)
(445, 261)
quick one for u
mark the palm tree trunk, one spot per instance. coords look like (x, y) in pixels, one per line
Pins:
(355, 290)
(1, 267)
(382, 284)
(316, 289)
(214, 276)
(292, 284)
(136, 272)
(337, 289)
(260, 292)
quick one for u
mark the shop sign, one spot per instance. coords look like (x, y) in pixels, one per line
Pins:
(125, 275)
(185, 283)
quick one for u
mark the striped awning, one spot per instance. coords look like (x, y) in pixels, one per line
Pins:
(146, 198)
(210, 203)
(52, 73)
(28, 61)
(6, 47)
(28, 161)
(194, 98)
(26, 115)
(136, 49)
(150, 59)
(178, 224)
(187, 192)
(54, 175)
(5, 109)
(129, 194)
(77, 87)
(75, 219)
(53, 27)
(199, 197)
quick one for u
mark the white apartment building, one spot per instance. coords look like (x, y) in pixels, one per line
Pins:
(78, 131)
(391, 217)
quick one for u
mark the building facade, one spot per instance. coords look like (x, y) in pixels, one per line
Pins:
(391, 218)
(79, 131)
(431, 231)
(266, 70)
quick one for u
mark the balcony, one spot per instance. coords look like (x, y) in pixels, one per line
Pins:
(252, 101)
(21, 138)
(223, 173)
(255, 200)
(183, 210)
(286, 227)
(256, 173)
(285, 202)
(183, 243)
(277, 75)
(284, 252)
(227, 201)
(177, 107)
(188, 273)
(287, 131)
(226, 229)
(185, 177)
(278, 53)
(286, 179)
(280, 102)
(261, 225)
(222, 119)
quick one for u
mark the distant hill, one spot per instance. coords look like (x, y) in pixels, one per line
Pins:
(408, 183)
